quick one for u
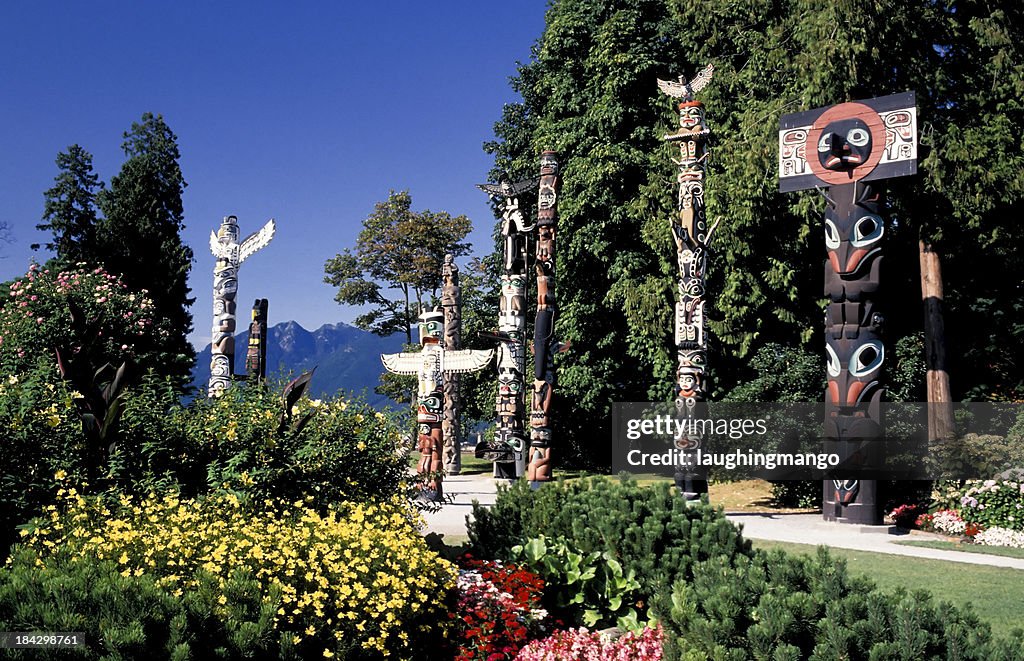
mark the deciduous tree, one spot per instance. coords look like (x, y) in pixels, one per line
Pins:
(395, 267)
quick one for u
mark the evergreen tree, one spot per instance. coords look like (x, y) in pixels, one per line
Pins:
(140, 234)
(70, 211)
(589, 92)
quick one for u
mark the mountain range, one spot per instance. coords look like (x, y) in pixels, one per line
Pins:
(346, 358)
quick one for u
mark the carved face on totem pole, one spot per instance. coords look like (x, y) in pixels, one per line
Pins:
(844, 144)
(431, 327)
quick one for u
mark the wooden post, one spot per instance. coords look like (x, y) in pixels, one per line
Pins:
(940, 418)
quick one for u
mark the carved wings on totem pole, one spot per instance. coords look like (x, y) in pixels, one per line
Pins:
(461, 361)
(252, 243)
(680, 89)
(510, 191)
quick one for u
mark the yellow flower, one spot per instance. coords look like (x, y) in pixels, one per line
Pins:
(60, 475)
(328, 653)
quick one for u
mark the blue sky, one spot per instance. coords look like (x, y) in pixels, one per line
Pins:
(307, 112)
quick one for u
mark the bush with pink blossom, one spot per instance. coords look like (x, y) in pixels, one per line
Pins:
(583, 645)
(35, 318)
(993, 504)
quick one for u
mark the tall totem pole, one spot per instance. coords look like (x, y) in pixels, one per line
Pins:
(849, 148)
(692, 238)
(544, 343)
(256, 353)
(451, 302)
(508, 451)
(230, 254)
(433, 365)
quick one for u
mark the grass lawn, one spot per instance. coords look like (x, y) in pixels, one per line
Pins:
(996, 593)
(1006, 551)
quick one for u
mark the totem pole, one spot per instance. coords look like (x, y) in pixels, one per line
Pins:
(544, 344)
(848, 148)
(256, 353)
(508, 451)
(230, 254)
(451, 302)
(433, 364)
(692, 238)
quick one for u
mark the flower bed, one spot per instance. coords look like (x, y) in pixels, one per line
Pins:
(355, 580)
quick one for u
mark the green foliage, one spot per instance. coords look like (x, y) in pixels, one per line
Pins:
(592, 590)
(70, 211)
(797, 493)
(343, 451)
(782, 374)
(778, 606)
(122, 617)
(589, 92)
(140, 235)
(42, 435)
(993, 503)
(651, 531)
(397, 249)
(113, 322)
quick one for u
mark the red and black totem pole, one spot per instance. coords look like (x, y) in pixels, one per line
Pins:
(544, 344)
(850, 148)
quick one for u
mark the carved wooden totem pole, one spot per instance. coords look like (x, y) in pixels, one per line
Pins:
(230, 254)
(544, 344)
(433, 364)
(451, 302)
(508, 451)
(256, 353)
(849, 148)
(692, 238)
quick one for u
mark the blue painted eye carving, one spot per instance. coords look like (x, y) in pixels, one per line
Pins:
(867, 358)
(868, 229)
(831, 235)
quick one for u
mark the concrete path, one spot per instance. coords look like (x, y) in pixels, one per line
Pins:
(462, 490)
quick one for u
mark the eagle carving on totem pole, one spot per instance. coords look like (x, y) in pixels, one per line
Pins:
(680, 89)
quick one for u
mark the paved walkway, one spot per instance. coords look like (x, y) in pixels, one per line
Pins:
(462, 490)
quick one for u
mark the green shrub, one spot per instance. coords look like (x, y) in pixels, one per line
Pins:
(993, 503)
(778, 606)
(797, 493)
(42, 435)
(592, 590)
(651, 531)
(35, 318)
(122, 617)
(345, 451)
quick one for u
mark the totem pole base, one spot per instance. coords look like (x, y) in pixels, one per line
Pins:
(428, 495)
(691, 487)
(865, 509)
(505, 470)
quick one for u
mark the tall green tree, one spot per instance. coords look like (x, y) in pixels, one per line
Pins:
(70, 212)
(395, 267)
(139, 236)
(589, 92)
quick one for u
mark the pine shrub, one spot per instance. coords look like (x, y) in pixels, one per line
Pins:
(779, 606)
(648, 529)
